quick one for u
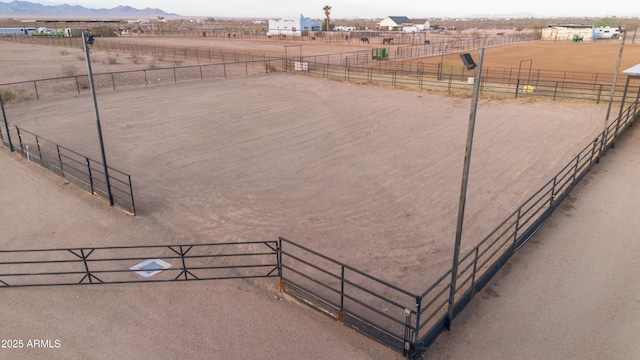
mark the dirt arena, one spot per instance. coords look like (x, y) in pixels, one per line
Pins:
(367, 175)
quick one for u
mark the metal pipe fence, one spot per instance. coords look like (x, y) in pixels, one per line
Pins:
(136, 264)
(403, 320)
(113, 81)
(80, 170)
(457, 80)
(409, 322)
(398, 318)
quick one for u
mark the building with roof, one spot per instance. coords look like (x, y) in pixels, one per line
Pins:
(403, 23)
(293, 26)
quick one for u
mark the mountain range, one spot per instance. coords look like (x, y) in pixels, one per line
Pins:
(28, 9)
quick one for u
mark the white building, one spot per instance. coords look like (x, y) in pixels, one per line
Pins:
(403, 23)
(293, 26)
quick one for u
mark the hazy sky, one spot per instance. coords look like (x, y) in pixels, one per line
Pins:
(369, 9)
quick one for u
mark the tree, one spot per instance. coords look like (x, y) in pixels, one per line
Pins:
(327, 12)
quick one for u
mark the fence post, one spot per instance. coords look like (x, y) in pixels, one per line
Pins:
(6, 124)
(407, 332)
(341, 311)
(515, 230)
(60, 161)
(279, 258)
(78, 84)
(35, 86)
(113, 82)
(517, 87)
(39, 151)
(416, 334)
(89, 172)
(20, 141)
(593, 151)
(133, 205)
(575, 171)
(475, 269)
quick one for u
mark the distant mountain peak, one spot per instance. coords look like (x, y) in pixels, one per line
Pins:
(18, 8)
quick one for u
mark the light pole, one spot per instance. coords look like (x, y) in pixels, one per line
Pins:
(6, 125)
(470, 64)
(88, 39)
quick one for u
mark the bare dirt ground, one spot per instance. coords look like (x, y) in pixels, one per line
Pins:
(371, 180)
(572, 293)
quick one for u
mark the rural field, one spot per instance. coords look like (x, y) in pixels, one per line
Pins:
(367, 175)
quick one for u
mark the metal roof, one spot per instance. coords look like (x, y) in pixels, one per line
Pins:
(399, 20)
(633, 71)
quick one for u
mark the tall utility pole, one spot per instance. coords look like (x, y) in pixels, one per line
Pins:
(463, 186)
(88, 39)
(6, 125)
(615, 78)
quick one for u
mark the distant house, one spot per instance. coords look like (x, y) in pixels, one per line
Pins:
(293, 26)
(403, 23)
(393, 23)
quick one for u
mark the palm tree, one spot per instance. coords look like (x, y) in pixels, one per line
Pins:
(327, 12)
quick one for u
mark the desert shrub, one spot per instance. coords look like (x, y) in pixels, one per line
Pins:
(136, 59)
(69, 70)
(9, 95)
(112, 60)
(269, 68)
(64, 52)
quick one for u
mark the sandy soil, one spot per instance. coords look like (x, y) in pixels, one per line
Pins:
(371, 180)
(571, 293)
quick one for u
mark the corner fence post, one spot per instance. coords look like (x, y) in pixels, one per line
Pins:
(280, 264)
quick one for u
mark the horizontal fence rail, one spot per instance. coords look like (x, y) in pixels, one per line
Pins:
(78, 169)
(374, 307)
(134, 264)
(79, 84)
(478, 265)
(457, 80)
(410, 322)
(400, 319)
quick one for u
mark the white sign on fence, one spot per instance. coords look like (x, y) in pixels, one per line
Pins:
(301, 65)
